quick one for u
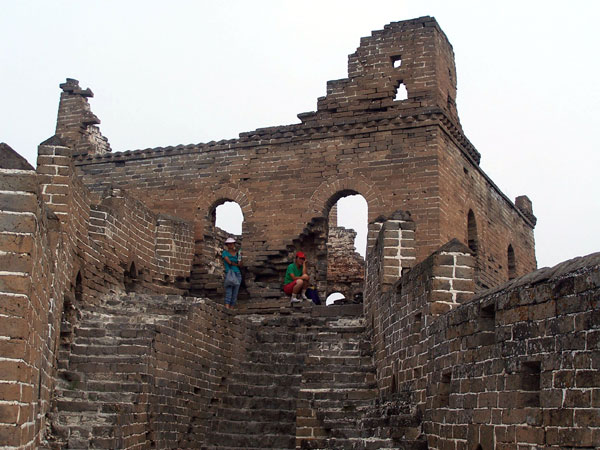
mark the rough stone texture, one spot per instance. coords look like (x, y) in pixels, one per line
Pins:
(104, 343)
(345, 267)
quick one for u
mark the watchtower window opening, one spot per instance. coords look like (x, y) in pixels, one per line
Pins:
(401, 92)
(229, 217)
(397, 61)
(512, 268)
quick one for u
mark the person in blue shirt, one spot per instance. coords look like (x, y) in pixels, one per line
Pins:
(232, 260)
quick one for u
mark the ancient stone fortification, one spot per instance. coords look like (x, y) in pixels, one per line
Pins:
(112, 334)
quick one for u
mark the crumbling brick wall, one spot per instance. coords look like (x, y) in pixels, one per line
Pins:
(512, 367)
(345, 267)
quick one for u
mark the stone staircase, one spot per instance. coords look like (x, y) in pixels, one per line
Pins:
(310, 384)
(307, 381)
(102, 372)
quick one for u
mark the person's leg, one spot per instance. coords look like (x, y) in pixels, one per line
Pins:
(228, 294)
(298, 286)
(302, 290)
(235, 290)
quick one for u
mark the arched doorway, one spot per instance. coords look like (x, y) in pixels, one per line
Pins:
(224, 219)
(347, 245)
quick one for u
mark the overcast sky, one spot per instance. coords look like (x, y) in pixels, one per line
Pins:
(181, 72)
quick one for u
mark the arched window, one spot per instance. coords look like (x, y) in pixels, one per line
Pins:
(512, 268)
(472, 240)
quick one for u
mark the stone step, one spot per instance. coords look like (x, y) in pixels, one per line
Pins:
(339, 361)
(336, 378)
(340, 386)
(278, 392)
(78, 359)
(259, 414)
(256, 402)
(269, 368)
(249, 427)
(120, 332)
(263, 441)
(112, 341)
(276, 358)
(93, 369)
(256, 379)
(107, 408)
(332, 394)
(67, 383)
(96, 396)
(104, 349)
(360, 444)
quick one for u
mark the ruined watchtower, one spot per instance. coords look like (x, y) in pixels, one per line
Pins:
(404, 154)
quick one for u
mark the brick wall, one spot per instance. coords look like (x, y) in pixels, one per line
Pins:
(514, 367)
(31, 284)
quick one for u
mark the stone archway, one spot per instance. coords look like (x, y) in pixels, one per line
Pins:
(328, 193)
(206, 276)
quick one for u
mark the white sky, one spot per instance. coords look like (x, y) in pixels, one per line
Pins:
(180, 72)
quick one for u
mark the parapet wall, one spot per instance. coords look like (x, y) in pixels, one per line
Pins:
(513, 367)
(31, 283)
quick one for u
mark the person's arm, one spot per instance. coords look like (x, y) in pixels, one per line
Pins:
(231, 263)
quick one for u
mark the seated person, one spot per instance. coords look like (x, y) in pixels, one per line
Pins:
(296, 279)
